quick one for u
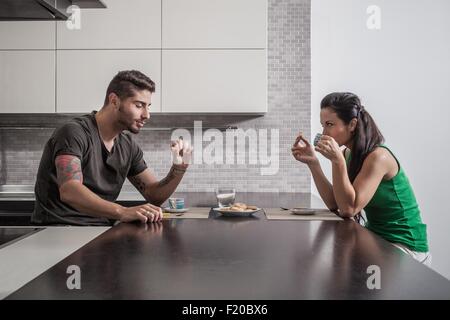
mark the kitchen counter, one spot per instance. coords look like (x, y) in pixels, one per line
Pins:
(215, 258)
(26, 193)
(17, 202)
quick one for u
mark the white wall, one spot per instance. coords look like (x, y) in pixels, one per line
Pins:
(402, 74)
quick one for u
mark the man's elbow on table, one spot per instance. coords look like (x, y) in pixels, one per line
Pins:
(155, 199)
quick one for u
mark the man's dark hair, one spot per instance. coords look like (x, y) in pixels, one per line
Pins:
(125, 83)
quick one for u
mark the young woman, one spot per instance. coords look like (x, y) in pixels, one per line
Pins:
(365, 175)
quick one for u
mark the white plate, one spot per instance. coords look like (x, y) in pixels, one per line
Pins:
(229, 213)
(170, 210)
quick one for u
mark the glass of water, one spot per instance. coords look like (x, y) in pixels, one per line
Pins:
(225, 197)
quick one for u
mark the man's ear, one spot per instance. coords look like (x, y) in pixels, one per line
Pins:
(114, 100)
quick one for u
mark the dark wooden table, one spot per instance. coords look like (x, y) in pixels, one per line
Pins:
(238, 258)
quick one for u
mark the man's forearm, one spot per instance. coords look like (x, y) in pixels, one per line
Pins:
(84, 200)
(161, 191)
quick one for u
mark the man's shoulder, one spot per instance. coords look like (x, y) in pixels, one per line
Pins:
(80, 123)
(78, 127)
(86, 121)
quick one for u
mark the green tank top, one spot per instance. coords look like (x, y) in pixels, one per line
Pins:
(393, 213)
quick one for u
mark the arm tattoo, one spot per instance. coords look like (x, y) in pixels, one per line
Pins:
(173, 173)
(138, 183)
(68, 168)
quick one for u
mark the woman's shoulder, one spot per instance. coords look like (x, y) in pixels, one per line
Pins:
(382, 157)
(379, 154)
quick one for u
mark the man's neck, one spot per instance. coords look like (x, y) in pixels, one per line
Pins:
(106, 125)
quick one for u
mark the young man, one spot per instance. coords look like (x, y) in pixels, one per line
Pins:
(86, 161)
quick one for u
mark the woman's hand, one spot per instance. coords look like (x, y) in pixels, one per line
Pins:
(330, 149)
(303, 151)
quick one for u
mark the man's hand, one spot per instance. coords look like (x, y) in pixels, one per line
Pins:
(143, 213)
(181, 152)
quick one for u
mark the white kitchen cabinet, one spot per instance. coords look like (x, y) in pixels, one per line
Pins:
(214, 24)
(132, 24)
(211, 81)
(205, 56)
(27, 81)
(20, 35)
(84, 75)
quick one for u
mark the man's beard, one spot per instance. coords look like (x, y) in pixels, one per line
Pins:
(126, 125)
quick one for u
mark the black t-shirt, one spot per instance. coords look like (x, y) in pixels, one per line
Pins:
(104, 172)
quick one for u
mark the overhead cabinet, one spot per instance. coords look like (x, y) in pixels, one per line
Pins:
(27, 35)
(27, 81)
(209, 81)
(123, 24)
(205, 56)
(217, 24)
(27, 67)
(214, 56)
(83, 76)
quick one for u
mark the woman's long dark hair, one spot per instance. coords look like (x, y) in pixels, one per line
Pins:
(366, 135)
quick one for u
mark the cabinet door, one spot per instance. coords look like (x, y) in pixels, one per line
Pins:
(27, 81)
(214, 23)
(84, 75)
(211, 81)
(123, 24)
(27, 35)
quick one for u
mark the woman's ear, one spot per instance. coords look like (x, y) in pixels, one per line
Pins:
(352, 125)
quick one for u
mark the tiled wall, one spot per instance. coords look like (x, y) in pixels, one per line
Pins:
(289, 93)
